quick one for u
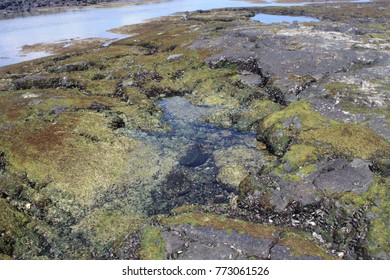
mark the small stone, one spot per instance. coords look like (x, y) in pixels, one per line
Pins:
(30, 95)
(174, 57)
(340, 254)
(318, 236)
(28, 205)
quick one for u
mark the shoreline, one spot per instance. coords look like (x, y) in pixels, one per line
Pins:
(53, 10)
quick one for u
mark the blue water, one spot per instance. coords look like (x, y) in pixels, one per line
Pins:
(268, 19)
(89, 23)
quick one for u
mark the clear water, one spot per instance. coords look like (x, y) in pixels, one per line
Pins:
(89, 23)
(194, 145)
(187, 128)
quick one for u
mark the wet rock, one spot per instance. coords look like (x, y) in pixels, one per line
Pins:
(216, 237)
(2, 161)
(235, 163)
(279, 129)
(130, 247)
(252, 80)
(175, 244)
(219, 245)
(194, 156)
(248, 119)
(177, 184)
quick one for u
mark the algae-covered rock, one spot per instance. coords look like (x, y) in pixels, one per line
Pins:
(210, 236)
(236, 163)
(257, 111)
(281, 128)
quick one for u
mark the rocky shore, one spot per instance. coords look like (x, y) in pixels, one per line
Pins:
(202, 135)
(11, 8)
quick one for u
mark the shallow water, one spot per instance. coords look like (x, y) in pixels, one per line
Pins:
(201, 151)
(91, 22)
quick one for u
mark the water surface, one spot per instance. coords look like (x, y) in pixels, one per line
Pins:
(92, 22)
(268, 19)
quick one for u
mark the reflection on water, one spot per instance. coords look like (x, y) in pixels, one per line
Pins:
(91, 22)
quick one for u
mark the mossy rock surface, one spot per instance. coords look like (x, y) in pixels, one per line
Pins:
(214, 228)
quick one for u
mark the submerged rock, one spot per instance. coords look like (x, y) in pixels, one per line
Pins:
(194, 156)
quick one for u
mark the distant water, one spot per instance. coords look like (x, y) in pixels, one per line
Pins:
(277, 18)
(91, 22)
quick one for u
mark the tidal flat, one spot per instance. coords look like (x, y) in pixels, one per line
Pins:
(200, 135)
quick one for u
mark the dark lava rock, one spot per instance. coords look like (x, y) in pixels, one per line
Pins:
(187, 242)
(340, 176)
(212, 244)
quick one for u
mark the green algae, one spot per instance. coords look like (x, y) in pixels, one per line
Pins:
(152, 244)
(347, 140)
(376, 202)
(300, 155)
(235, 163)
(103, 228)
(257, 110)
(342, 89)
(280, 128)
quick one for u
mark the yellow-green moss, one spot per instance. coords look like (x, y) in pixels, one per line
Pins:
(235, 163)
(377, 200)
(78, 153)
(308, 118)
(340, 88)
(292, 178)
(300, 155)
(103, 228)
(152, 244)
(348, 140)
(4, 257)
(281, 128)
(257, 110)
